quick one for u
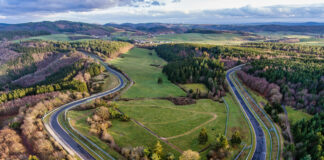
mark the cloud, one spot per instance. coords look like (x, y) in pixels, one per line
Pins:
(16, 7)
(139, 11)
(310, 11)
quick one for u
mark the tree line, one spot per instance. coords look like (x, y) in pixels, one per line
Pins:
(19, 93)
(10, 35)
(305, 49)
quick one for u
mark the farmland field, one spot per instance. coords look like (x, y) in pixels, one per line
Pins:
(224, 38)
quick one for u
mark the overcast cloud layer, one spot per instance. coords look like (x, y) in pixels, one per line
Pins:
(167, 11)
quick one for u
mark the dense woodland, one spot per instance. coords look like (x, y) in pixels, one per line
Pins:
(309, 138)
(301, 81)
(211, 72)
(306, 49)
(10, 35)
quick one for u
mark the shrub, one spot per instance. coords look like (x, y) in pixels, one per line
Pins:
(160, 80)
(189, 155)
(158, 149)
(236, 138)
(203, 137)
(124, 118)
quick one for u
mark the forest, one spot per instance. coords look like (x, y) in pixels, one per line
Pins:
(309, 138)
(301, 81)
(306, 49)
(10, 35)
(209, 71)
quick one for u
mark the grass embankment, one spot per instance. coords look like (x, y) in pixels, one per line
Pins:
(78, 121)
(237, 122)
(137, 64)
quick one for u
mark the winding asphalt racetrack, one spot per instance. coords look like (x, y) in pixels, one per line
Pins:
(260, 150)
(63, 135)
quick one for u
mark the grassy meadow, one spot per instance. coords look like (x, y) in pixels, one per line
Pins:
(194, 86)
(296, 115)
(137, 64)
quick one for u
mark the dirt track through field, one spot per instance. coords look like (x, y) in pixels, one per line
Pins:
(188, 132)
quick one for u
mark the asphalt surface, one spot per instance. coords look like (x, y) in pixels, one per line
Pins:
(63, 135)
(260, 150)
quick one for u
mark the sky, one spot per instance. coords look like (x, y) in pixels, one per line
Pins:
(164, 11)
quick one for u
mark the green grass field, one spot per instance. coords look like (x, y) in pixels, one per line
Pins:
(225, 38)
(137, 65)
(126, 134)
(179, 124)
(194, 86)
(78, 121)
(296, 115)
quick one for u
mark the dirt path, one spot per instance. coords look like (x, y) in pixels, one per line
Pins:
(186, 133)
(157, 136)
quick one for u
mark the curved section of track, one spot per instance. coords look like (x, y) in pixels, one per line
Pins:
(260, 149)
(62, 136)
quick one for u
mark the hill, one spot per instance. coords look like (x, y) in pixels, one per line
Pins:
(317, 28)
(16, 31)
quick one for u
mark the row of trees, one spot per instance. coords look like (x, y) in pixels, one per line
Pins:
(270, 90)
(19, 93)
(173, 52)
(306, 49)
(10, 35)
(220, 147)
